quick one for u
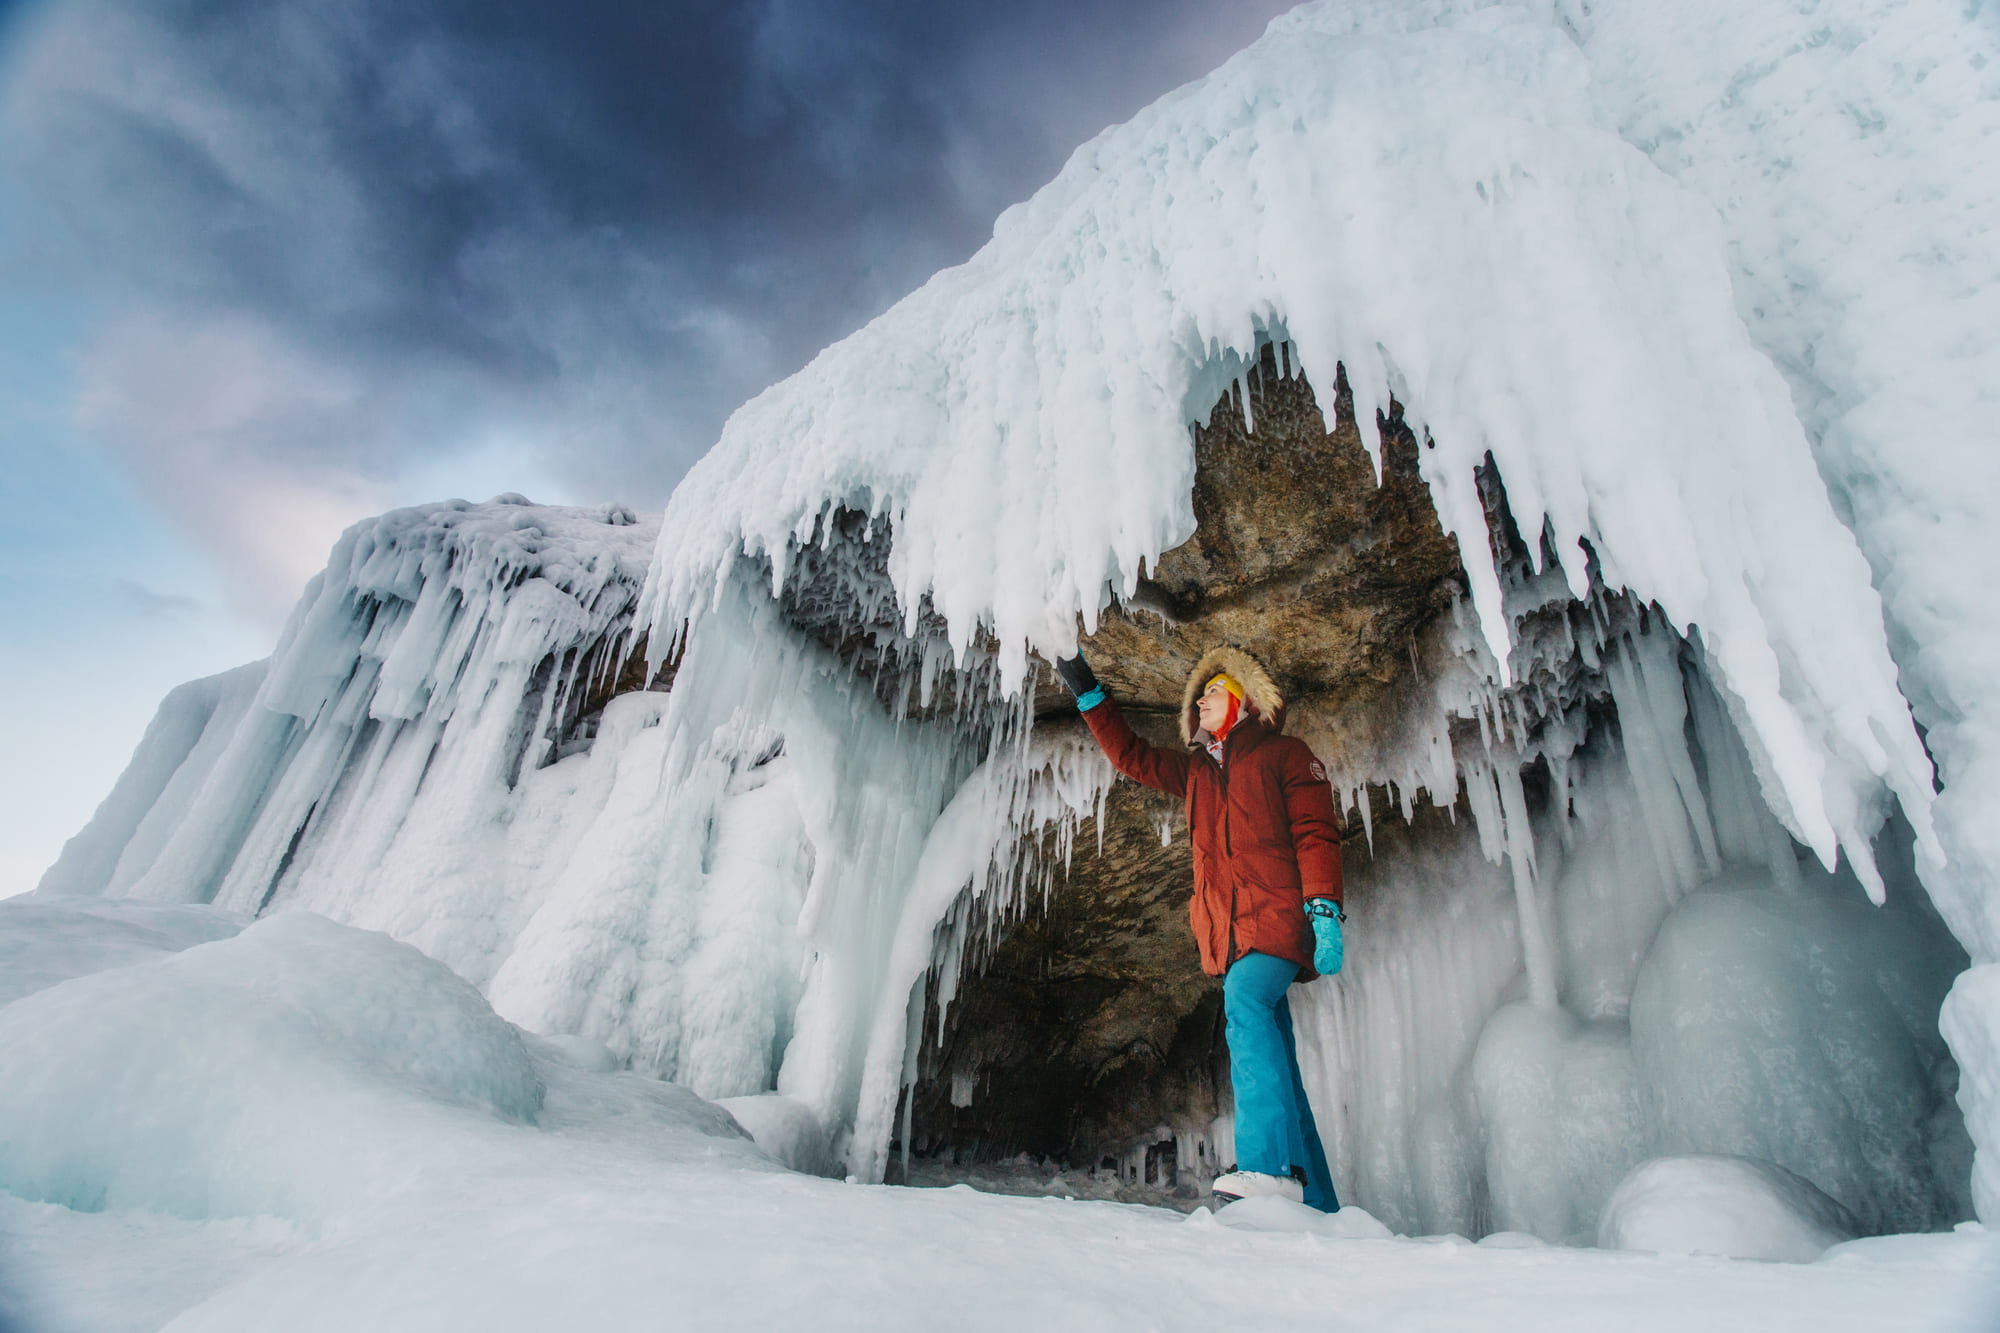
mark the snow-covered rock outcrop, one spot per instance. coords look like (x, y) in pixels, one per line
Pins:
(731, 884)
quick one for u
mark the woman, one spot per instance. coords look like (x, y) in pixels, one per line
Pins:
(1266, 905)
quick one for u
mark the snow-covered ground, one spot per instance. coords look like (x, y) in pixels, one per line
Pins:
(305, 1126)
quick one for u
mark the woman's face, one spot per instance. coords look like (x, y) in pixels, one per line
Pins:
(1212, 707)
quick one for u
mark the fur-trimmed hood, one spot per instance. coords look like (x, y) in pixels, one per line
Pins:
(1260, 692)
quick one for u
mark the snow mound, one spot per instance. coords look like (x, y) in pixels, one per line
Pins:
(247, 1076)
(1511, 1240)
(578, 1052)
(1729, 1207)
(1275, 1214)
(1352, 1223)
(45, 940)
(788, 1130)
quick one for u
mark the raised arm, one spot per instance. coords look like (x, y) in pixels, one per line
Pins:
(1157, 767)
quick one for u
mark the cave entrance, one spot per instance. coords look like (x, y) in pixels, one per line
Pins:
(1600, 949)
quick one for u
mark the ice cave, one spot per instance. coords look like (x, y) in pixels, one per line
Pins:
(1485, 371)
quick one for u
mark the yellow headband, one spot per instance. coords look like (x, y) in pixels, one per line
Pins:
(1228, 683)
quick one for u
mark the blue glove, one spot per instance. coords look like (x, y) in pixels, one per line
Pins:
(1328, 951)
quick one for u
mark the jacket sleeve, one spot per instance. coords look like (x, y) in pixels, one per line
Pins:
(1315, 823)
(1157, 767)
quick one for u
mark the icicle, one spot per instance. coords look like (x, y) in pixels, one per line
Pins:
(1484, 798)
(1745, 829)
(1536, 950)
(1368, 818)
(915, 1019)
(1658, 667)
(538, 741)
(1661, 774)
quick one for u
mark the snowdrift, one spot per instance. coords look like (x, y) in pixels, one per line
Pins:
(266, 1064)
(435, 1188)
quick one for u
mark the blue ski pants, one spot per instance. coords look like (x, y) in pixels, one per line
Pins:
(1274, 1124)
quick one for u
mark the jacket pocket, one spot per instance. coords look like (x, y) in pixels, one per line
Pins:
(1274, 870)
(1209, 918)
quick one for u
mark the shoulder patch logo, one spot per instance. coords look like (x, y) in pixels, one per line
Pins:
(1318, 771)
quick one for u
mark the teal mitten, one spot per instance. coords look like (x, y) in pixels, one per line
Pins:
(1328, 951)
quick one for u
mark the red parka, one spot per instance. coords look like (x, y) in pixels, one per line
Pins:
(1265, 832)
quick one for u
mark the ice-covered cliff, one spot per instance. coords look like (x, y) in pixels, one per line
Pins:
(728, 882)
(1713, 285)
(1684, 320)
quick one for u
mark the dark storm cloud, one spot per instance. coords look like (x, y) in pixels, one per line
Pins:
(598, 226)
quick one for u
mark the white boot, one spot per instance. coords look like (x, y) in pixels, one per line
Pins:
(1255, 1184)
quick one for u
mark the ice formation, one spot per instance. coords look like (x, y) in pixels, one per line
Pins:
(1693, 281)
(732, 884)
(1733, 1206)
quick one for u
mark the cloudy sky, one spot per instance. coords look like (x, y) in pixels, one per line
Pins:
(270, 266)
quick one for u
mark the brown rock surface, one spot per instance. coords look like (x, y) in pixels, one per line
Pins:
(1299, 557)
